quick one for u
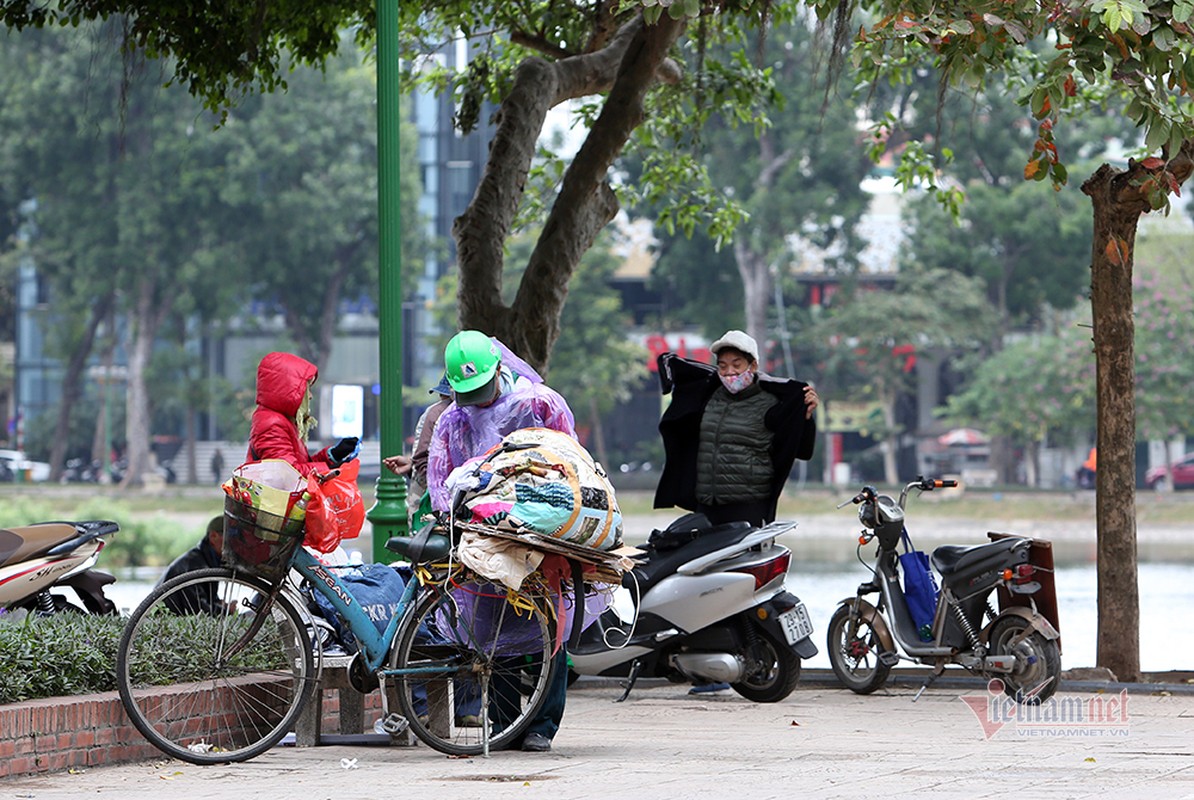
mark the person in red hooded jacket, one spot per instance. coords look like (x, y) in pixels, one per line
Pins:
(283, 418)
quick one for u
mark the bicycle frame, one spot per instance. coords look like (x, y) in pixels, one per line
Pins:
(374, 645)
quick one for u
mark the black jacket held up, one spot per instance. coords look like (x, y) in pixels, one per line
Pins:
(691, 384)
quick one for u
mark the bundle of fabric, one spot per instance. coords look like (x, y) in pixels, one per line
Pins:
(544, 482)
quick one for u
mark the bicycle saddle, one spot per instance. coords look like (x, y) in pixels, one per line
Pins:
(424, 547)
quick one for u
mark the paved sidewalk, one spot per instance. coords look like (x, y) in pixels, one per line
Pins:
(821, 742)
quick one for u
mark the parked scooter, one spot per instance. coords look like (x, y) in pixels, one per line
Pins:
(1018, 643)
(706, 603)
(37, 559)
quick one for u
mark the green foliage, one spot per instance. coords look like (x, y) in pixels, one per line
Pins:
(594, 365)
(1038, 387)
(1068, 58)
(42, 430)
(136, 191)
(139, 542)
(698, 284)
(59, 655)
(300, 185)
(862, 336)
(780, 150)
(1164, 312)
(1027, 261)
(253, 39)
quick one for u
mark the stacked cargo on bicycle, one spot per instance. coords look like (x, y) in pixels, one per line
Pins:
(538, 507)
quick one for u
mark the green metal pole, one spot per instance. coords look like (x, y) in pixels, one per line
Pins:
(388, 514)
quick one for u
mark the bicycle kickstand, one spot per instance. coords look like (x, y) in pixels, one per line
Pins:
(630, 679)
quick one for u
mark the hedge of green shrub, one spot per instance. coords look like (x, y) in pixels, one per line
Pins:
(71, 654)
(63, 654)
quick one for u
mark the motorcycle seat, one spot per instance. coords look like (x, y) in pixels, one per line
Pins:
(658, 564)
(949, 559)
(29, 541)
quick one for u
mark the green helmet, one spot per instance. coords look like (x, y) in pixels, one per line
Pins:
(472, 361)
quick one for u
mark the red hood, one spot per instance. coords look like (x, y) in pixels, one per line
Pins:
(282, 379)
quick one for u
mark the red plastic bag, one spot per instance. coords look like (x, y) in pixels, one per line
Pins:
(335, 509)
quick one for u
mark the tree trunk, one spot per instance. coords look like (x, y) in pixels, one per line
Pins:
(192, 433)
(318, 351)
(754, 266)
(138, 422)
(1119, 198)
(632, 63)
(1118, 647)
(756, 287)
(72, 383)
(101, 444)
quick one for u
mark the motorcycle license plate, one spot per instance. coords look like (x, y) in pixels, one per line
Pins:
(796, 624)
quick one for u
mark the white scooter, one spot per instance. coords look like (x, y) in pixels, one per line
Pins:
(706, 604)
(52, 555)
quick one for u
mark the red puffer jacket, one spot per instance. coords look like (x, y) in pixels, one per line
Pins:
(282, 380)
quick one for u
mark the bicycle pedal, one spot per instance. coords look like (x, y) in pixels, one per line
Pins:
(888, 659)
(394, 723)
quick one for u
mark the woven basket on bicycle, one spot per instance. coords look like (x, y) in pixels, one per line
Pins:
(258, 542)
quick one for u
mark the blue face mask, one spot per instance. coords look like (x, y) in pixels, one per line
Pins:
(736, 383)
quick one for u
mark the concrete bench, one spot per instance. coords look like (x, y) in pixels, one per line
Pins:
(333, 677)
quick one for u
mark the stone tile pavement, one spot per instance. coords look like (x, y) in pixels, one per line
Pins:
(957, 740)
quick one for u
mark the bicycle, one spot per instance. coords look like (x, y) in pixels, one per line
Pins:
(234, 644)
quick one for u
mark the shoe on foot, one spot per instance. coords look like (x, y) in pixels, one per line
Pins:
(706, 688)
(468, 721)
(536, 743)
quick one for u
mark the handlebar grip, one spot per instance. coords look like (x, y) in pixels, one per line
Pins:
(946, 484)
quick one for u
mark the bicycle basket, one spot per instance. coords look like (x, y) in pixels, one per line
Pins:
(259, 542)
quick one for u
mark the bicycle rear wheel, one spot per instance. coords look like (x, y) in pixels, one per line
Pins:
(481, 661)
(238, 672)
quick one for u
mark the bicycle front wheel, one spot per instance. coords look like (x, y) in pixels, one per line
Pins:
(472, 661)
(238, 667)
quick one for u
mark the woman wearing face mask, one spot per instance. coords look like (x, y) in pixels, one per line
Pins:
(731, 433)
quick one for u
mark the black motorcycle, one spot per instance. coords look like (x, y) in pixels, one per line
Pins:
(1016, 641)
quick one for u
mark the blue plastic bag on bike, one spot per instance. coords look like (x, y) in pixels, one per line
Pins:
(377, 587)
(920, 588)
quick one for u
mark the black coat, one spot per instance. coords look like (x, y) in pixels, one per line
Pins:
(691, 384)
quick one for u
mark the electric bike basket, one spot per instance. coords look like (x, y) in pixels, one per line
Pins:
(259, 542)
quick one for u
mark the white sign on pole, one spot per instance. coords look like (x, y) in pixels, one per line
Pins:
(348, 411)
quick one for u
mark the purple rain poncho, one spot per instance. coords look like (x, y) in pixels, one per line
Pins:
(464, 432)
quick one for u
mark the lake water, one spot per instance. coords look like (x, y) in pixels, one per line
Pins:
(1165, 589)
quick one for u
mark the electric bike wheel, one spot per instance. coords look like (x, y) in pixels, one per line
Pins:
(1037, 672)
(772, 670)
(854, 652)
(239, 670)
(469, 643)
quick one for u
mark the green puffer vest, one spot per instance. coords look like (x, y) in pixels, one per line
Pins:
(733, 458)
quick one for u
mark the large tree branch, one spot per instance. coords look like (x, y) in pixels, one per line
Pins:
(481, 230)
(586, 204)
